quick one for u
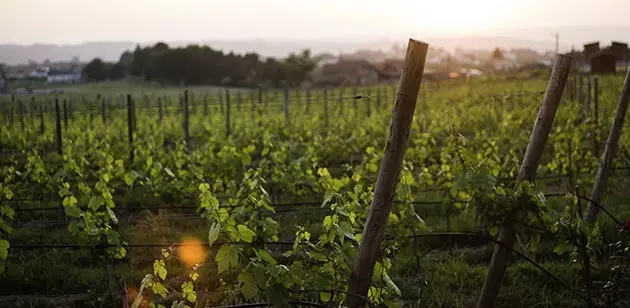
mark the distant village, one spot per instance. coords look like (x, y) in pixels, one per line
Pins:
(364, 67)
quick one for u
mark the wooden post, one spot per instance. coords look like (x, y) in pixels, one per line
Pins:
(58, 127)
(65, 114)
(378, 98)
(21, 105)
(123, 293)
(531, 160)
(612, 144)
(286, 104)
(588, 95)
(308, 100)
(32, 111)
(41, 118)
(340, 101)
(252, 101)
(134, 120)
(368, 102)
(227, 114)
(326, 108)
(388, 174)
(205, 104)
(355, 101)
(130, 126)
(192, 103)
(596, 116)
(581, 94)
(186, 122)
(103, 112)
(160, 111)
(90, 111)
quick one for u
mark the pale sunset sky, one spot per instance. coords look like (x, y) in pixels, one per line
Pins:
(76, 21)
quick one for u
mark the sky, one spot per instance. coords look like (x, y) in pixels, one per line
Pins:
(77, 21)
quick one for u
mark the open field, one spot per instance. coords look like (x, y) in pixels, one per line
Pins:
(276, 184)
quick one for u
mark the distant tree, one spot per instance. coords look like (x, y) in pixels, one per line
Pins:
(95, 70)
(47, 62)
(497, 54)
(4, 82)
(32, 63)
(126, 61)
(75, 60)
(116, 71)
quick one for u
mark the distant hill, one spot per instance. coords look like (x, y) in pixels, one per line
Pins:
(537, 39)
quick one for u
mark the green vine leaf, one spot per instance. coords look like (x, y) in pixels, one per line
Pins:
(249, 288)
(246, 233)
(213, 234)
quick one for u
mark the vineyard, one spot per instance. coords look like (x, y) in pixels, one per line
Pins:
(222, 197)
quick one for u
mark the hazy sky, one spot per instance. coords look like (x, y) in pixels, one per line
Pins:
(75, 21)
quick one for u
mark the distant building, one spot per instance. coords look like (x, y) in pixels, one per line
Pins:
(63, 76)
(39, 73)
(349, 72)
(603, 62)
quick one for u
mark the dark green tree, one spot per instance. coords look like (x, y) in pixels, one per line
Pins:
(96, 70)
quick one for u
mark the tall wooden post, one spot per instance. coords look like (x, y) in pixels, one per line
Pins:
(65, 114)
(388, 174)
(21, 105)
(186, 122)
(326, 108)
(130, 126)
(58, 135)
(533, 154)
(41, 118)
(286, 104)
(596, 116)
(308, 100)
(612, 144)
(228, 127)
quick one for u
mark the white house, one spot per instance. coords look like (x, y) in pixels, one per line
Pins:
(59, 76)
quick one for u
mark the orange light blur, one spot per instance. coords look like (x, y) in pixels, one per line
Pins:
(192, 251)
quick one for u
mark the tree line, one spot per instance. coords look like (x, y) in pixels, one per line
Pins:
(197, 65)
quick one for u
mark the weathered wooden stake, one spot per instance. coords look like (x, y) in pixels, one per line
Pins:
(596, 116)
(308, 100)
(340, 101)
(32, 111)
(90, 111)
(65, 114)
(227, 114)
(355, 101)
(58, 127)
(41, 118)
(531, 160)
(104, 111)
(326, 108)
(588, 95)
(368, 102)
(160, 111)
(130, 126)
(388, 174)
(186, 122)
(21, 105)
(286, 105)
(205, 104)
(612, 144)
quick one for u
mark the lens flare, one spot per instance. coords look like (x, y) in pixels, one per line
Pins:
(192, 251)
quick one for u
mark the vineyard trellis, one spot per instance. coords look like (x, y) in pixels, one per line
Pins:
(91, 180)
